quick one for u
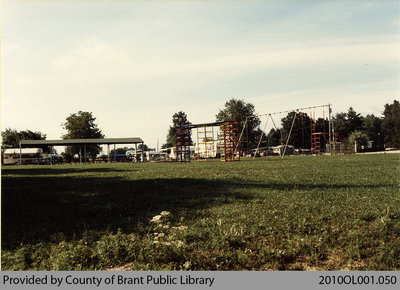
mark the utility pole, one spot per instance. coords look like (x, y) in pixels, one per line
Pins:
(330, 128)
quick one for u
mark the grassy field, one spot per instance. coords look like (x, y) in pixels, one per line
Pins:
(295, 213)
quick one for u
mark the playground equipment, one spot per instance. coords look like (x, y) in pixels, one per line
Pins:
(183, 142)
(206, 145)
(320, 142)
(229, 137)
(213, 140)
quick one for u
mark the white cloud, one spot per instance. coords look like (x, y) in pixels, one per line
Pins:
(97, 60)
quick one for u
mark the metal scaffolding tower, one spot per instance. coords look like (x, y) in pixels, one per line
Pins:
(206, 143)
(229, 133)
(183, 142)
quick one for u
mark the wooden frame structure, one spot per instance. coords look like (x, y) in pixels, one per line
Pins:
(229, 132)
(209, 142)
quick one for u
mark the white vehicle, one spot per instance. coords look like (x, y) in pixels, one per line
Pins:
(171, 152)
(156, 156)
(28, 156)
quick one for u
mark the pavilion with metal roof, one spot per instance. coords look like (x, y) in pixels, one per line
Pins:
(84, 142)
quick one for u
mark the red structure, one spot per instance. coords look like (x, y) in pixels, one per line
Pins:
(322, 142)
(183, 142)
(315, 138)
(229, 146)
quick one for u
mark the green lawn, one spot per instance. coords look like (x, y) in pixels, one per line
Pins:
(295, 213)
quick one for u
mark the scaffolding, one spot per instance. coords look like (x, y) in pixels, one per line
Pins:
(315, 136)
(336, 146)
(211, 144)
(331, 142)
(229, 151)
(183, 142)
(206, 142)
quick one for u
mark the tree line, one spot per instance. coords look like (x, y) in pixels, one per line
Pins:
(79, 125)
(383, 130)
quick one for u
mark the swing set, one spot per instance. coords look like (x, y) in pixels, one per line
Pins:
(320, 141)
(221, 139)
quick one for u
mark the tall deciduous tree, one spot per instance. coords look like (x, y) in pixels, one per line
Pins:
(273, 138)
(358, 139)
(300, 136)
(82, 125)
(10, 138)
(238, 110)
(391, 124)
(178, 119)
(372, 126)
(340, 124)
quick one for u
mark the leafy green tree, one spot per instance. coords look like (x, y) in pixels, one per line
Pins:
(372, 126)
(340, 124)
(10, 138)
(354, 120)
(391, 124)
(274, 137)
(322, 125)
(346, 123)
(300, 136)
(118, 151)
(82, 125)
(238, 110)
(178, 119)
(146, 148)
(358, 137)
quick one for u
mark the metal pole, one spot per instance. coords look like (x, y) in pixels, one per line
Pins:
(108, 153)
(135, 152)
(115, 156)
(302, 131)
(52, 154)
(142, 151)
(20, 153)
(262, 134)
(333, 132)
(198, 142)
(330, 128)
(84, 153)
(290, 132)
(240, 136)
(247, 139)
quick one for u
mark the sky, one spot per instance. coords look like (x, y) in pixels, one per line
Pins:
(133, 64)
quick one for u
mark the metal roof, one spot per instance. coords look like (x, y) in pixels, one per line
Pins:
(67, 142)
(191, 126)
